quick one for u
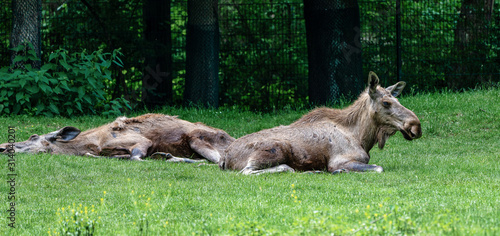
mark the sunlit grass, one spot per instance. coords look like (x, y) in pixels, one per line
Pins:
(446, 182)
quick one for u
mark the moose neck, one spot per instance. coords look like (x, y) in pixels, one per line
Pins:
(86, 142)
(358, 120)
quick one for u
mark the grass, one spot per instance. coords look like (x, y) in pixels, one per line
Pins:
(447, 182)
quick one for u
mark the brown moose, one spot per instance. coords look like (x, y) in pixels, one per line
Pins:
(327, 139)
(133, 138)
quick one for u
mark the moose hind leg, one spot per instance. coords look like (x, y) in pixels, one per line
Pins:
(269, 158)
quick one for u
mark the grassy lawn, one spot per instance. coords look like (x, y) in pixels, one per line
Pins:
(447, 182)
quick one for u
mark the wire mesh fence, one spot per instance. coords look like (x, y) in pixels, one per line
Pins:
(263, 62)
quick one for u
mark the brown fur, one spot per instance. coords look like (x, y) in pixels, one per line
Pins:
(327, 139)
(134, 138)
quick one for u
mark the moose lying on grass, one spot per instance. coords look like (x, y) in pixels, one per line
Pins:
(155, 135)
(327, 139)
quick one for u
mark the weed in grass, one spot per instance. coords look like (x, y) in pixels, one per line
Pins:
(76, 221)
(147, 209)
(294, 196)
(384, 220)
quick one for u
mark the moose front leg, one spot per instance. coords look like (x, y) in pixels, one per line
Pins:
(140, 150)
(362, 167)
(125, 156)
(205, 150)
(355, 166)
(170, 158)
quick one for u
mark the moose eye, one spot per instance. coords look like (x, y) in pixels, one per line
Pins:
(386, 104)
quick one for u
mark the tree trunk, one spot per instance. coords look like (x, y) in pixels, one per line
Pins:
(26, 28)
(157, 78)
(334, 50)
(470, 46)
(202, 53)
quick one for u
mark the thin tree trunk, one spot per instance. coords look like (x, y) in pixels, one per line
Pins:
(202, 53)
(26, 28)
(470, 48)
(157, 79)
(334, 50)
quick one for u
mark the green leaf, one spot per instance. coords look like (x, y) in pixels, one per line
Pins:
(19, 47)
(58, 90)
(19, 58)
(65, 65)
(108, 75)
(33, 89)
(22, 82)
(54, 109)
(92, 83)
(62, 75)
(48, 114)
(19, 96)
(118, 62)
(81, 92)
(64, 85)
(52, 56)
(16, 73)
(1, 108)
(97, 74)
(45, 88)
(32, 54)
(52, 81)
(40, 107)
(87, 99)
(28, 67)
(79, 106)
(98, 67)
(47, 66)
(16, 109)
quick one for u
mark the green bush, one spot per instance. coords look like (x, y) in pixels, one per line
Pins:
(68, 84)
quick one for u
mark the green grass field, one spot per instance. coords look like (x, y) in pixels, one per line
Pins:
(447, 182)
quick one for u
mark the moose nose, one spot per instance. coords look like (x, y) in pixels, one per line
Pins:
(3, 148)
(414, 129)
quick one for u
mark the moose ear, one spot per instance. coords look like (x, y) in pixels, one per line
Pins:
(373, 81)
(65, 134)
(396, 89)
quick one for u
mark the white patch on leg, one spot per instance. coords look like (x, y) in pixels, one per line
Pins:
(249, 170)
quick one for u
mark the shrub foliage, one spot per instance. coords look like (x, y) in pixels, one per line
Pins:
(68, 84)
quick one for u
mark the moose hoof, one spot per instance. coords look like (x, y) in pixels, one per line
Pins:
(378, 169)
(161, 156)
(284, 168)
(339, 171)
(314, 172)
(135, 159)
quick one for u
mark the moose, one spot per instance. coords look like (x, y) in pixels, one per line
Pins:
(155, 135)
(336, 140)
